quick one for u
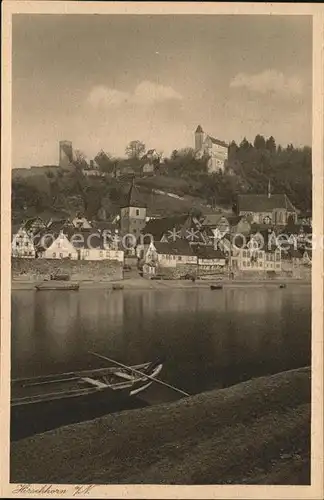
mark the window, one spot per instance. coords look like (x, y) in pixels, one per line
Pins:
(87, 253)
(277, 265)
(179, 258)
(248, 263)
(61, 256)
(100, 253)
(54, 255)
(244, 263)
(137, 211)
(260, 255)
(260, 264)
(70, 255)
(244, 253)
(248, 254)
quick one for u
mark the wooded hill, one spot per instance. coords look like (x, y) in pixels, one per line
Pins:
(55, 192)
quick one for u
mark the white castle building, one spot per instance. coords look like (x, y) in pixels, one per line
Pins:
(216, 150)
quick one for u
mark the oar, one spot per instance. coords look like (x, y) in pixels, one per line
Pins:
(140, 373)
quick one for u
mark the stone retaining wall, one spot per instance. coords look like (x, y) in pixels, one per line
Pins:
(40, 269)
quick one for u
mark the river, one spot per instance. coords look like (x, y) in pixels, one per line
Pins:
(209, 339)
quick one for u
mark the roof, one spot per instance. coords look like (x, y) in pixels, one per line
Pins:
(87, 238)
(178, 247)
(233, 219)
(213, 219)
(199, 130)
(158, 227)
(209, 253)
(133, 198)
(262, 203)
(218, 142)
(46, 237)
(105, 226)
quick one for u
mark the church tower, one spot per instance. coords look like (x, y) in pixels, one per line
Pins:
(133, 214)
(199, 138)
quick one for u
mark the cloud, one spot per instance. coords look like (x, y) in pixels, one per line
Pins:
(269, 81)
(104, 96)
(146, 93)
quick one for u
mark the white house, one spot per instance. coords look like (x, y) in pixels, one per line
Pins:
(210, 259)
(56, 246)
(90, 245)
(22, 244)
(170, 254)
(77, 245)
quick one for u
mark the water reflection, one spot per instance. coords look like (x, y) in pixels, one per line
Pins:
(210, 339)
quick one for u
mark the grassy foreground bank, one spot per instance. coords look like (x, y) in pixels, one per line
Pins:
(256, 432)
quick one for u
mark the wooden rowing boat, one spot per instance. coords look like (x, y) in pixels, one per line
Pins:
(56, 285)
(216, 287)
(113, 381)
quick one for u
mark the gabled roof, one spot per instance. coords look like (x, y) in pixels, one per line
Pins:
(218, 142)
(209, 253)
(262, 203)
(178, 247)
(158, 227)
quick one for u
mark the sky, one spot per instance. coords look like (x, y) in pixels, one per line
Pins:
(104, 80)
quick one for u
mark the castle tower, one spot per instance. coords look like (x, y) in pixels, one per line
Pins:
(65, 154)
(133, 214)
(199, 138)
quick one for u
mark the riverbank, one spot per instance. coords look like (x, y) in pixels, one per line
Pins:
(146, 284)
(256, 432)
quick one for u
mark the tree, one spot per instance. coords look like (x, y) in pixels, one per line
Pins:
(135, 149)
(259, 142)
(271, 144)
(80, 161)
(105, 162)
(245, 144)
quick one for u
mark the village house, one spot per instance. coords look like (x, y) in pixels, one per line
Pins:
(239, 224)
(209, 259)
(92, 247)
(81, 222)
(34, 225)
(170, 254)
(150, 160)
(22, 245)
(77, 245)
(271, 209)
(55, 245)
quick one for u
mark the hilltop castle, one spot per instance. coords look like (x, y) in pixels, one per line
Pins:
(216, 150)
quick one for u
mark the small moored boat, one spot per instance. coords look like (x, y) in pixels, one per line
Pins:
(216, 287)
(56, 285)
(114, 381)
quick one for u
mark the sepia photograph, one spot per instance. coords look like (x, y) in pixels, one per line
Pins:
(161, 250)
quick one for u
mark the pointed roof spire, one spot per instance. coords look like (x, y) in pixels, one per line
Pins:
(199, 130)
(134, 198)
